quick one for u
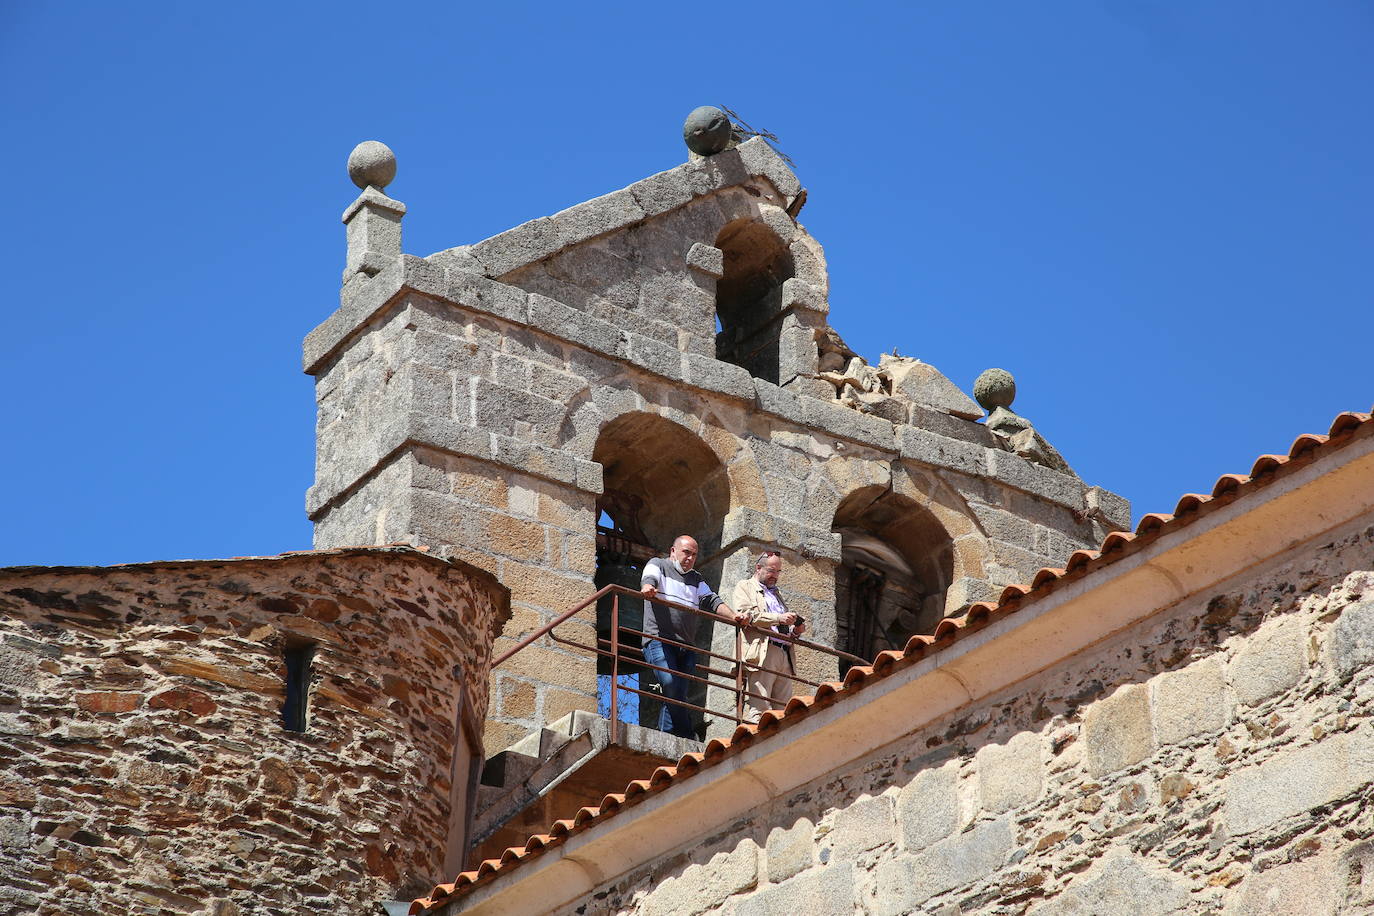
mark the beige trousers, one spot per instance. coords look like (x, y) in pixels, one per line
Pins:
(768, 681)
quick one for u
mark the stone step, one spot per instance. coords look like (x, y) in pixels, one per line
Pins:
(553, 771)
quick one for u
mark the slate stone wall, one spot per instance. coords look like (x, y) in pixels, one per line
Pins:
(144, 767)
(1217, 758)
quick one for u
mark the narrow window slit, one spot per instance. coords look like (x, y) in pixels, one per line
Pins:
(293, 711)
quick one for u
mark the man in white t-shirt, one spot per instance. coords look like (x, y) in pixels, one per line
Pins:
(676, 580)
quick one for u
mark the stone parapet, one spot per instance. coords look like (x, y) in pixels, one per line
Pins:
(653, 196)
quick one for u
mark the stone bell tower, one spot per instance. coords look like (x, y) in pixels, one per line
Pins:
(572, 393)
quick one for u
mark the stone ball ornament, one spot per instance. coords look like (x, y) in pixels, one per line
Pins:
(372, 163)
(994, 388)
(707, 130)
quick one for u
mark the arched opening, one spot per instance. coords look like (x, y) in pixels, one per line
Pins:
(896, 564)
(659, 481)
(749, 297)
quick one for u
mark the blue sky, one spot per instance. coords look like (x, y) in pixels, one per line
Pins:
(1158, 216)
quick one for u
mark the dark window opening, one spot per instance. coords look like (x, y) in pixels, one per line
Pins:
(749, 298)
(897, 563)
(293, 711)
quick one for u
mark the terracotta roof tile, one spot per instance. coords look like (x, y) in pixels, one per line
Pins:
(1116, 545)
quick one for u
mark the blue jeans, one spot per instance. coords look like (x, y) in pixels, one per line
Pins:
(674, 719)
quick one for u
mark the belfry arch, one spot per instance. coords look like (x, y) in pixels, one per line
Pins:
(660, 480)
(897, 562)
(749, 297)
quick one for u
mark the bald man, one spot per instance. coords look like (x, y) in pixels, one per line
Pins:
(677, 580)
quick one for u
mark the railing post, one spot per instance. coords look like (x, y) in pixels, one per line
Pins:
(615, 663)
(739, 673)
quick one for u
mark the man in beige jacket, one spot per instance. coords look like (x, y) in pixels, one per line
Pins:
(767, 660)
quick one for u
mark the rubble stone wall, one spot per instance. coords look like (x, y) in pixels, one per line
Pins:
(1215, 758)
(144, 766)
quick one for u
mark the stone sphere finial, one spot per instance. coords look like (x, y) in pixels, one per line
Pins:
(707, 130)
(372, 163)
(994, 388)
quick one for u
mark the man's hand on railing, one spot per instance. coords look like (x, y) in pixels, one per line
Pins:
(649, 590)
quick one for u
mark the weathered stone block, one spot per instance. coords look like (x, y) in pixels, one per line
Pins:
(518, 247)
(1192, 701)
(910, 880)
(662, 192)
(702, 887)
(1011, 774)
(1117, 730)
(1293, 782)
(14, 833)
(1004, 526)
(778, 401)
(707, 259)
(941, 452)
(577, 327)
(760, 159)
(866, 824)
(483, 294)
(1116, 509)
(1120, 886)
(588, 476)
(654, 356)
(1271, 660)
(837, 420)
(1312, 887)
(18, 665)
(819, 890)
(1351, 643)
(951, 427)
(713, 375)
(596, 217)
(448, 435)
(797, 353)
(967, 590)
(790, 850)
(1017, 472)
(928, 807)
(921, 383)
(462, 357)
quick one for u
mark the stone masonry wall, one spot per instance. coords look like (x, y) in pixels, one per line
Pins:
(463, 397)
(144, 767)
(482, 433)
(1216, 758)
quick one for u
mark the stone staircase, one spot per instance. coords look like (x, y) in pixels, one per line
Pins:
(551, 773)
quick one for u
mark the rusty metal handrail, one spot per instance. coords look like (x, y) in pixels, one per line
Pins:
(617, 651)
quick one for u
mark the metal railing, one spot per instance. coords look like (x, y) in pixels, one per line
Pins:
(619, 653)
